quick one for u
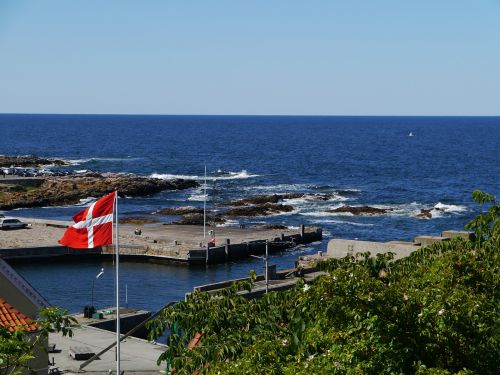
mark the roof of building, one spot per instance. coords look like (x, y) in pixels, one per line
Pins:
(13, 320)
(22, 286)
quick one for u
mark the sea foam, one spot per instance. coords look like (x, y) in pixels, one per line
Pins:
(224, 176)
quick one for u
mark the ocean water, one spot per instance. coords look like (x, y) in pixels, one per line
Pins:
(362, 160)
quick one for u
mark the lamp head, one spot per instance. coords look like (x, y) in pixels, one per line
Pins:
(100, 273)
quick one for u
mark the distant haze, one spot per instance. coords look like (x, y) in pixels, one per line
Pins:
(250, 57)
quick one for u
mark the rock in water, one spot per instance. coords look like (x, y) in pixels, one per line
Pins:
(425, 213)
(197, 219)
(360, 210)
(258, 210)
(264, 199)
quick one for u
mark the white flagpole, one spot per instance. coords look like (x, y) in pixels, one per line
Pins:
(117, 287)
(205, 205)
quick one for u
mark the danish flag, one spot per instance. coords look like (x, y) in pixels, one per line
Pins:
(93, 226)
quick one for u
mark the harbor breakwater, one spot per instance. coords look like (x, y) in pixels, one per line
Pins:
(164, 244)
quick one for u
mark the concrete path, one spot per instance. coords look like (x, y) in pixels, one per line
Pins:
(137, 356)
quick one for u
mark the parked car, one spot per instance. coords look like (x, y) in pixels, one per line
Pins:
(11, 223)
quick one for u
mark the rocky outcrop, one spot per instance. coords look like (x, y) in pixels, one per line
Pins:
(360, 210)
(28, 161)
(320, 197)
(264, 199)
(182, 210)
(427, 213)
(258, 210)
(260, 205)
(197, 219)
(71, 189)
(279, 198)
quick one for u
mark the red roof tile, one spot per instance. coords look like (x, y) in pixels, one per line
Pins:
(13, 320)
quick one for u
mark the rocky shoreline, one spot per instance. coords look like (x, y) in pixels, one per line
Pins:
(65, 190)
(28, 161)
(261, 205)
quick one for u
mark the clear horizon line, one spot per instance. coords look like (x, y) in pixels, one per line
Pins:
(239, 115)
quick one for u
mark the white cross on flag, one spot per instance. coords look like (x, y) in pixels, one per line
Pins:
(93, 226)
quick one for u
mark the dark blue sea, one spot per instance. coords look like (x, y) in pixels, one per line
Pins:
(403, 163)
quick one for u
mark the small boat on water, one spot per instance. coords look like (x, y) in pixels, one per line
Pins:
(410, 134)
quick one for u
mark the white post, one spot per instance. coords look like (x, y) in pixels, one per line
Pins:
(117, 288)
(205, 205)
(267, 272)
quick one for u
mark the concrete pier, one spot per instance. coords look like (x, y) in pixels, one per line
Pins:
(340, 248)
(158, 243)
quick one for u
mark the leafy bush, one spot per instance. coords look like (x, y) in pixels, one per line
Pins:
(434, 312)
(17, 348)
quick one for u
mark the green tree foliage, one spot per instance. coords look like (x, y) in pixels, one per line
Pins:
(434, 312)
(18, 348)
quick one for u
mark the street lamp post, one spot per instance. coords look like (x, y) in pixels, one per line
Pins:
(93, 282)
(265, 259)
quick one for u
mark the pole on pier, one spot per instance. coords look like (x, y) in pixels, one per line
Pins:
(205, 205)
(93, 281)
(117, 287)
(92, 299)
(267, 268)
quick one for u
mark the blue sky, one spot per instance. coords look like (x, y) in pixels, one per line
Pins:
(250, 57)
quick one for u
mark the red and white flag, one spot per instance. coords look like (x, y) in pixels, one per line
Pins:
(93, 226)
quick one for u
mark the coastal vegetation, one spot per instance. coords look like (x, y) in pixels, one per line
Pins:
(434, 312)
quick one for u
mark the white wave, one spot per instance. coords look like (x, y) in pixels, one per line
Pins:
(309, 199)
(88, 160)
(341, 222)
(278, 188)
(413, 209)
(327, 233)
(353, 190)
(235, 176)
(325, 214)
(293, 212)
(228, 223)
(450, 207)
(198, 197)
(167, 176)
(226, 176)
(86, 201)
(76, 161)
(295, 201)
